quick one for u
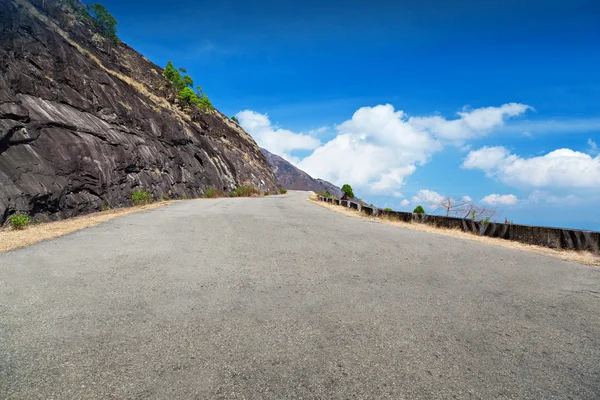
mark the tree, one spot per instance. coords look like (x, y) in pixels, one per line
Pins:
(465, 208)
(188, 97)
(188, 81)
(347, 189)
(234, 119)
(104, 21)
(169, 72)
(419, 210)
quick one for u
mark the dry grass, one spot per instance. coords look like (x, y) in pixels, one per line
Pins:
(580, 257)
(11, 239)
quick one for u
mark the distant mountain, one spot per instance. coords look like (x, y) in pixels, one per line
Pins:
(292, 178)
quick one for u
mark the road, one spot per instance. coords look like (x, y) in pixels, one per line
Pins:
(278, 298)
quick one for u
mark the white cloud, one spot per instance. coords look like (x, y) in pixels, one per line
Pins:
(379, 147)
(375, 151)
(496, 199)
(472, 123)
(404, 203)
(593, 147)
(540, 196)
(428, 197)
(278, 141)
(562, 168)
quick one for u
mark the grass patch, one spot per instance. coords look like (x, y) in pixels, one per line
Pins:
(282, 191)
(11, 239)
(247, 191)
(140, 197)
(212, 193)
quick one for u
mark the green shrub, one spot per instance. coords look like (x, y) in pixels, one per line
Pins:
(212, 193)
(234, 119)
(387, 209)
(184, 197)
(247, 191)
(266, 193)
(19, 221)
(347, 189)
(105, 206)
(282, 191)
(141, 197)
(419, 210)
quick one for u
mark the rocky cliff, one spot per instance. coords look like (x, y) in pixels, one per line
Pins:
(292, 178)
(82, 123)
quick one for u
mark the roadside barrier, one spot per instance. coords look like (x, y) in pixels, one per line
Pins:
(572, 239)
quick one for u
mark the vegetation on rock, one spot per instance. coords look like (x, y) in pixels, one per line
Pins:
(181, 88)
(140, 197)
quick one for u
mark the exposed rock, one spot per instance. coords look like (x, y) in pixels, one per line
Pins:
(81, 125)
(292, 178)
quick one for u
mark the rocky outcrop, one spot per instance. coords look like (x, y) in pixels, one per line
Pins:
(292, 178)
(82, 125)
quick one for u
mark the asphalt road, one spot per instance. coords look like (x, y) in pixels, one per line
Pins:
(278, 298)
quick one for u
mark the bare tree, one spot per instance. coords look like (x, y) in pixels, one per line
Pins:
(465, 208)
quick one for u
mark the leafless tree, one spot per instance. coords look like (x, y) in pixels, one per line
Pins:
(465, 208)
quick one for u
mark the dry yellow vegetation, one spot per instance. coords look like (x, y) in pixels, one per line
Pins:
(11, 239)
(580, 257)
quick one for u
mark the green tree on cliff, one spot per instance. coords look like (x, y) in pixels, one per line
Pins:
(104, 21)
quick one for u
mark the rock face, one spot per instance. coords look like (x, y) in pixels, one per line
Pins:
(292, 178)
(82, 125)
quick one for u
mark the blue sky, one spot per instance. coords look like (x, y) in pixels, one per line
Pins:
(368, 93)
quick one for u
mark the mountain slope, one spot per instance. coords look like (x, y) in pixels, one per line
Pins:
(292, 178)
(83, 124)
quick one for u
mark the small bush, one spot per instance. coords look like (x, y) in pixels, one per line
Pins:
(140, 197)
(233, 194)
(266, 193)
(212, 193)
(105, 206)
(247, 191)
(234, 119)
(19, 221)
(387, 209)
(184, 197)
(282, 191)
(419, 210)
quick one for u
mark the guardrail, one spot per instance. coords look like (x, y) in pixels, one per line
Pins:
(572, 239)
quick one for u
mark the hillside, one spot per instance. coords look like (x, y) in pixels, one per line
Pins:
(83, 123)
(292, 178)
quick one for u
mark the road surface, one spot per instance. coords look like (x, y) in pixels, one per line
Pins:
(278, 298)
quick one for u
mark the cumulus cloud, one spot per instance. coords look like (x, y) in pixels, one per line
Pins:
(540, 196)
(379, 147)
(375, 150)
(562, 168)
(404, 203)
(428, 197)
(593, 147)
(497, 199)
(471, 124)
(278, 141)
